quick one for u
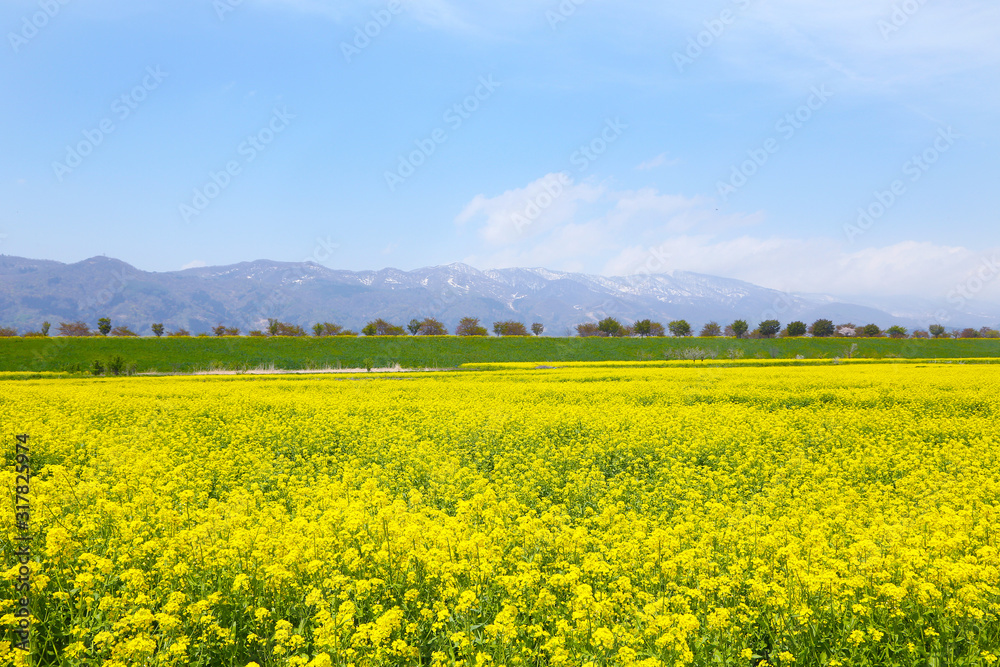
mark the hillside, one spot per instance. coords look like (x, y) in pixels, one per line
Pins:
(245, 295)
(243, 353)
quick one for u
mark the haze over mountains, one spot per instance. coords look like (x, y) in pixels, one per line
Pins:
(245, 295)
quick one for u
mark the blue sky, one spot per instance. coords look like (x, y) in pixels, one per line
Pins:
(736, 137)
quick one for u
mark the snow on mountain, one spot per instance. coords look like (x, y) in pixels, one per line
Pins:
(247, 294)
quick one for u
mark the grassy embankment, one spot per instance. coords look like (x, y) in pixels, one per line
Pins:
(243, 353)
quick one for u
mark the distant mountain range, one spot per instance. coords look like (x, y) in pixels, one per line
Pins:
(245, 295)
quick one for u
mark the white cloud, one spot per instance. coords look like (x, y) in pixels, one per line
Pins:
(530, 211)
(658, 161)
(598, 230)
(826, 266)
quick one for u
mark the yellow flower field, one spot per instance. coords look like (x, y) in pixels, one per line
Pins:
(839, 515)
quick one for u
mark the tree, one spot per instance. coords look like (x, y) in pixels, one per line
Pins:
(77, 328)
(769, 328)
(871, 331)
(847, 330)
(796, 328)
(588, 329)
(644, 328)
(116, 366)
(987, 332)
(7, 332)
(157, 329)
(431, 327)
(274, 328)
(896, 331)
(516, 329)
(510, 328)
(822, 328)
(537, 328)
(219, 330)
(180, 333)
(329, 329)
(937, 330)
(711, 330)
(697, 354)
(469, 326)
(123, 331)
(740, 327)
(969, 333)
(380, 327)
(610, 326)
(414, 326)
(679, 328)
(104, 326)
(45, 328)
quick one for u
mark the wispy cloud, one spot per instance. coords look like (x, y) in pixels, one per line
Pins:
(878, 46)
(660, 160)
(558, 223)
(596, 229)
(520, 213)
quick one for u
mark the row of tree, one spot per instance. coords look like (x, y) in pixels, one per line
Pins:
(470, 326)
(821, 328)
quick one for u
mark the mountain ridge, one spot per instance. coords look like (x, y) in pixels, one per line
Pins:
(246, 294)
